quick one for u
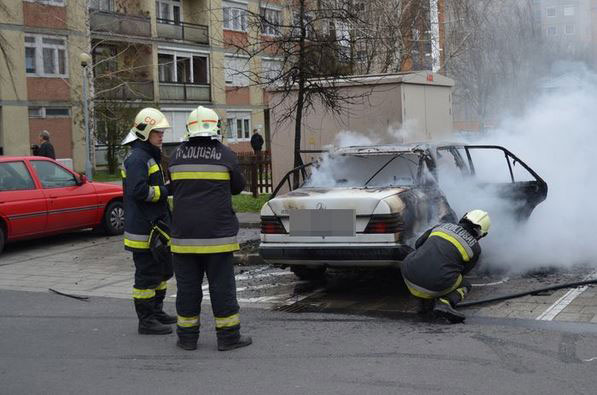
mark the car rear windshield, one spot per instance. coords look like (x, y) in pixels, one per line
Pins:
(365, 171)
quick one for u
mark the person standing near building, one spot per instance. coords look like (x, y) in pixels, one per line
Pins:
(256, 142)
(204, 174)
(45, 148)
(434, 270)
(145, 202)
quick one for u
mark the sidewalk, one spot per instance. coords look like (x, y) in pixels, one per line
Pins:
(249, 220)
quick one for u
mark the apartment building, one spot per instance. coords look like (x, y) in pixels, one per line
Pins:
(41, 77)
(565, 21)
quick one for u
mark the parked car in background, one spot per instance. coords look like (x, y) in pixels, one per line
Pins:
(40, 197)
(364, 206)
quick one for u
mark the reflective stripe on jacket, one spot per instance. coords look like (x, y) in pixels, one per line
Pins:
(145, 195)
(443, 253)
(204, 173)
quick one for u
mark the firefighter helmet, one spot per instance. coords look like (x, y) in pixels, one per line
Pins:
(203, 122)
(146, 120)
(479, 218)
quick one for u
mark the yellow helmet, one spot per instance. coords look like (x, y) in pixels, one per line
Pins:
(146, 120)
(479, 218)
(203, 122)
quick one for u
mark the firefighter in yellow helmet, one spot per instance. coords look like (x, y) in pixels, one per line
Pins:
(434, 270)
(204, 175)
(145, 202)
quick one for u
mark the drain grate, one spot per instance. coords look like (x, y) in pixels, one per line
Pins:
(298, 308)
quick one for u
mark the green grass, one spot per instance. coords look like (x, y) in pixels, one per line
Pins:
(248, 204)
(104, 176)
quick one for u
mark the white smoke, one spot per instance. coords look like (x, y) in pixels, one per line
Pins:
(557, 138)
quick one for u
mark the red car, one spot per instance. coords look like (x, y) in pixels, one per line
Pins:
(40, 197)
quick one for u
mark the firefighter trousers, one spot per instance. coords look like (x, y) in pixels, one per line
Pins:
(190, 270)
(150, 275)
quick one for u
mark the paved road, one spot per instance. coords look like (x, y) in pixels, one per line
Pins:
(56, 345)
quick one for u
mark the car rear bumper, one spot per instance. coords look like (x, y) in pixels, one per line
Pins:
(335, 256)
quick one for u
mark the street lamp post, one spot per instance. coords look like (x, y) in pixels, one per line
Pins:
(85, 62)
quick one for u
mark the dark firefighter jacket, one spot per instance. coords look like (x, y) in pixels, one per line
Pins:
(145, 195)
(443, 254)
(204, 174)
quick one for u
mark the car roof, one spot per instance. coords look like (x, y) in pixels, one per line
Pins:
(13, 158)
(391, 148)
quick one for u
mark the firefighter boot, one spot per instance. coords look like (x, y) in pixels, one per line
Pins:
(443, 309)
(148, 324)
(160, 315)
(187, 337)
(230, 338)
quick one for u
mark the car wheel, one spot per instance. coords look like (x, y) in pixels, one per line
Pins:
(113, 223)
(1, 238)
(309, 273)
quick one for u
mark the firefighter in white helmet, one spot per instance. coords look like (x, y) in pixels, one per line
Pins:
(434, 270)
(145, 203)
(204, 174)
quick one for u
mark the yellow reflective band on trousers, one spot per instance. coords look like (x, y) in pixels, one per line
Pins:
(187, 322)
(163, 286)
(122, 173)
(156, 194)
(423, 293)
(204, 246)
(455, 242)
(140, 242)
(201, 175)
(227, 322)
(143, 293)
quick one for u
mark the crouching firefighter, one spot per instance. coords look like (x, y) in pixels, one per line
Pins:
(145, 204)
(204, 173)
(434, 270)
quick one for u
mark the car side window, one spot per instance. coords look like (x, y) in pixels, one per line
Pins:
(53, 176)
(14, 176)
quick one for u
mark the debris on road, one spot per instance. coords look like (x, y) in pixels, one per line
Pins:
(83, 298)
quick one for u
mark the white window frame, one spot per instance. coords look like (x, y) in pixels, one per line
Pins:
(237, 12)
(555, 30)
(57, 3)
(267, 29)
(245, 119)
(573, 31)
(569, 10)
(39, 46)
(43, 112)
(555, 12)
(171, 5)
(236, 75)
(182, 54)
(266, 72)
(109, 3)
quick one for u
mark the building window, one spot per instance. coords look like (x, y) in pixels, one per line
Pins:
(49, 2)
(271, 19)
(45, 56)
(49, 112)
(102, 5)
(168, 10)
(552, 31)
(238, 126)
(551, 11)
(236, 71)
(569, 11)
(183, 68)
(235, 16)
(569, 28)
(271, 70)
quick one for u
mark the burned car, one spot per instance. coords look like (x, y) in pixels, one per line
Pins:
(364, 206)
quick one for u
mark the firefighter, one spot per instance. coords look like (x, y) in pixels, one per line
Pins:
(145, 203)
(204, 174)
(434, 270)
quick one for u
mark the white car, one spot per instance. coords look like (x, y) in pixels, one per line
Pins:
(364, 206)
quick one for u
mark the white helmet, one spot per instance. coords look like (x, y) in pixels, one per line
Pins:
(203, 122)
(146, 120)
(479, 218)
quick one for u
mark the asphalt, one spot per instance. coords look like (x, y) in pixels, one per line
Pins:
(52, 344)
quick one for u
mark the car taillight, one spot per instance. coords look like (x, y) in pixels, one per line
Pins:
(385, 223)
(272, 225)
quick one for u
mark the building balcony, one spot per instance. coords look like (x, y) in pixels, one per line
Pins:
(182, 31)
(185, 91)
(117, 89)
(115, 23)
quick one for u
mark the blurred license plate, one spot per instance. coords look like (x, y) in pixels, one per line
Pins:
(335, 222)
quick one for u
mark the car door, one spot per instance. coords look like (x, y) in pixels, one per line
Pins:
(495, 168)
(23, 205)
(71, 205)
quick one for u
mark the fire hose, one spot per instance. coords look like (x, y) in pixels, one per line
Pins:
(521, 294)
